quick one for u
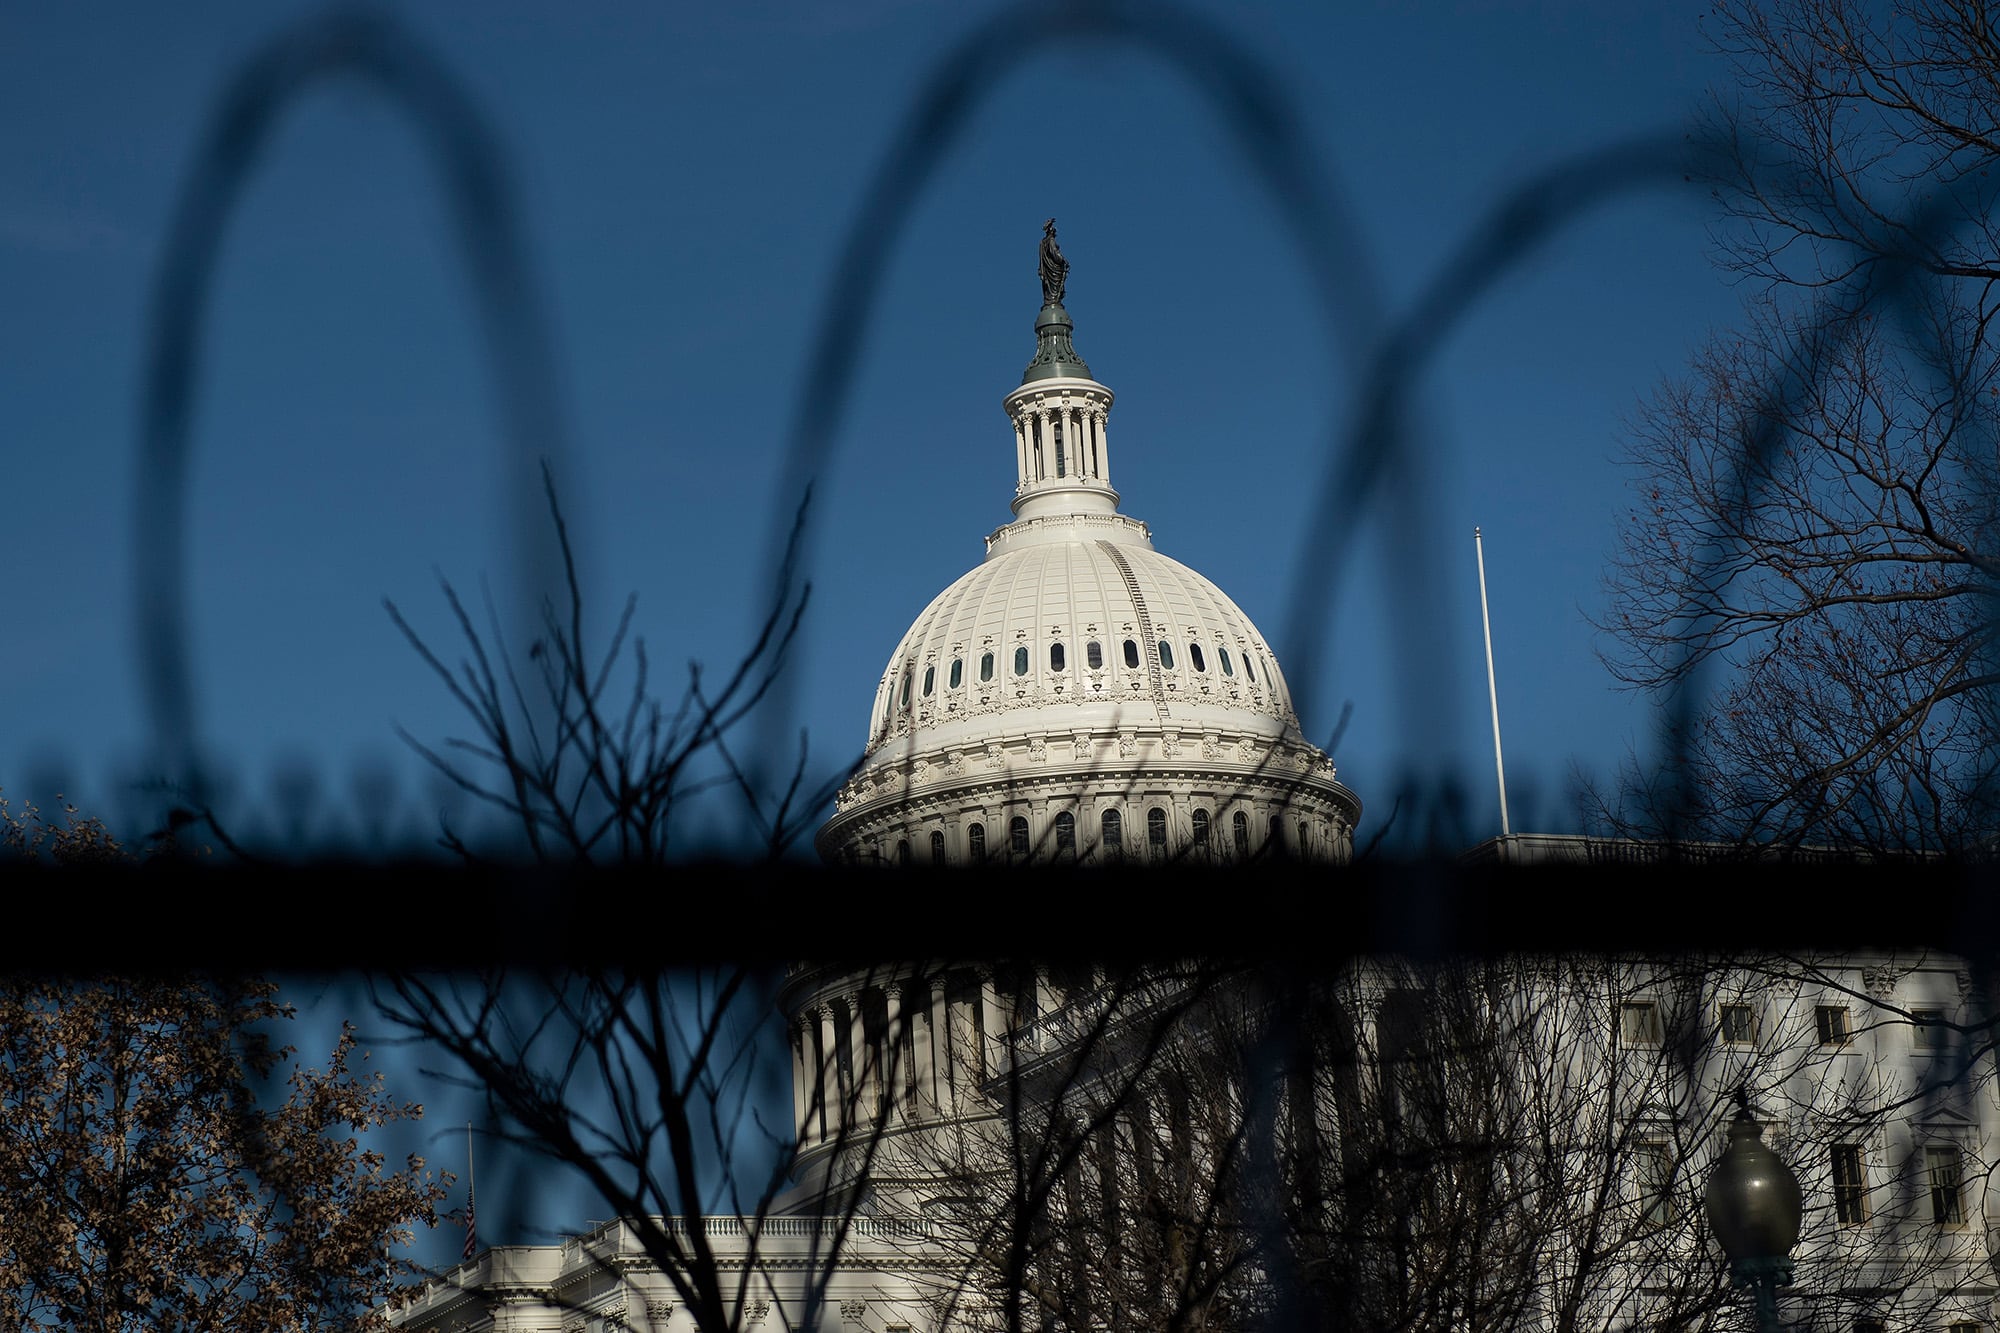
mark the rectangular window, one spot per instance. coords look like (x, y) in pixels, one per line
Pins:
(1739, 1025)
(1964, 1326)
(1942, 1164)
(1867, 1325)
(1928, 1032)
(1639, 1023)
(1653, 1173)
(1850, 1185)
(1834, 1029)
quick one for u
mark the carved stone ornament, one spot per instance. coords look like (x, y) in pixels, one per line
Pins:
(851, 1311)
(1170, 743)
(1128, 744)
(1879, 981)
(954, 762)
(994, 754)
(759, 1311)
(659, 1309)
(1211, 745)
(573, 1324)
(615, 1312)
(1038, 749)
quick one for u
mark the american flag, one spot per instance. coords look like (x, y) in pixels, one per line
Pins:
(471, 1230)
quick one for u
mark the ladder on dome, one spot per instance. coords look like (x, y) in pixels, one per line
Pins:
(1150, 655)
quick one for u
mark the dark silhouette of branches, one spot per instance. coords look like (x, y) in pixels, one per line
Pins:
(586, 780)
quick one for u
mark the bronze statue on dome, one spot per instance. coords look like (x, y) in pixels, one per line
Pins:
(1054, 268)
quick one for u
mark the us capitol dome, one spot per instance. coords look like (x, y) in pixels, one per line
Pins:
(1078, 696)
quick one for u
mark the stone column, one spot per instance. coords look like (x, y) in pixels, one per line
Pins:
(801, 1043)
(828, 1088)
(991, 1023)
(861, 1060)
(964, 1054)
(1045, 1002)
(943, 1085)
(1103, 448)
(895, 1072)
(1021, 449)
(924, 1068)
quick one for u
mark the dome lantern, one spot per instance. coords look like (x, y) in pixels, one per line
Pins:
(1061, 459)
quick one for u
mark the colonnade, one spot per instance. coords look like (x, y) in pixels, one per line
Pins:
(908, 1048)
(1084, 452)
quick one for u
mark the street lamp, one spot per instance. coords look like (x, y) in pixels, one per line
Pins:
(1753, 1207)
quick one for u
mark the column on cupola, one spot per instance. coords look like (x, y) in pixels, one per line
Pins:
(942, 1084)
(1102, 457)
(1022, 447)
(828, 1084)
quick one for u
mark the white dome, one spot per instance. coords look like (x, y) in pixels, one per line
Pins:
(1062, 627)
(1079, 696)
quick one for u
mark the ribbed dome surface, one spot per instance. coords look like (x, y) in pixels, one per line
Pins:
(1015, 636)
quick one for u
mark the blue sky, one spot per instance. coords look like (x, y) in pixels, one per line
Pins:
(686, 175)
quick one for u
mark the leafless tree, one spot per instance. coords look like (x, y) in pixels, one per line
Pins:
(583, 779)
(1816, 499)
(1503, 1143)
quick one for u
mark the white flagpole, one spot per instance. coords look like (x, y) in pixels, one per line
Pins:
(1492, 694)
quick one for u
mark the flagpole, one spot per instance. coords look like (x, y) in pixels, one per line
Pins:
(1492, 693)
(471, 1199)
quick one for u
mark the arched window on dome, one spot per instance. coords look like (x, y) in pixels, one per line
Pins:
(957, 672)
(1228, 667)
(1093, 655)
(1021, 660)
(1305, 838)
(937, 848)
(902, 851)
(1166, 655)
(1132, 654)
(1195, 659)
(1201, 832)
(1055, 657)
(1111, 826)
(1277, 844)
(1249, 670)
(1239, 829)
(906, 689)
(975, 841)
(986, 666)
(1036, 427)
(1065, 836)
(1058, 423)
(1156, 833)
(930, 680)
(1017, 836)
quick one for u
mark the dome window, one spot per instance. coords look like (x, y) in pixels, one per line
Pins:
(1156, 831)
(1112, 826)
(1239, 832)
(1093, 654)
(1021, 660)
(930, 680)
(1060, 470)
(1201, 829)
(1017, 835)
(957, 672)
(986, 667)
(1228, 667)
(1166, 660)
(1195, 659)
(1065, 836)
(1132, 654)
(937, 848)
(975, 840)
(1249, 670)
(1277, 843)
(906, 689)
(902, 851)
(1056, 657)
